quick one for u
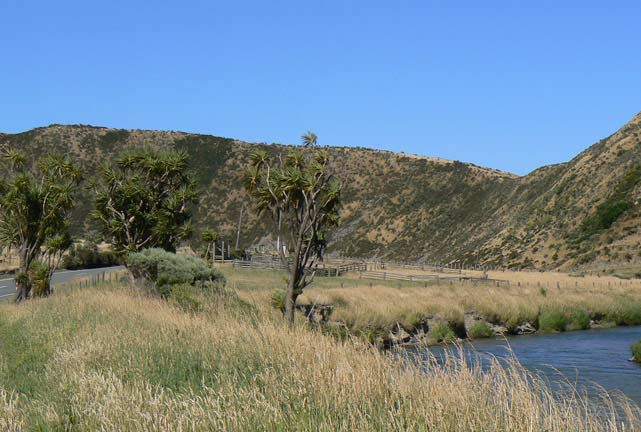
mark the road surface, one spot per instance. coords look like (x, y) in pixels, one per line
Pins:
(8, 285)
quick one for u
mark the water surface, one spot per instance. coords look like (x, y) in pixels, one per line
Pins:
(583, 357)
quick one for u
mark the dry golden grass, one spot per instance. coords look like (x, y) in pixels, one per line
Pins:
(380, 304)
(534, 278)
(111, 359)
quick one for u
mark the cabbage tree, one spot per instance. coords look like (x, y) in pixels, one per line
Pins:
(302, 196)
(35, 207)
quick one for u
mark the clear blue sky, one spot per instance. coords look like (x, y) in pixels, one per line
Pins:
(506, 84)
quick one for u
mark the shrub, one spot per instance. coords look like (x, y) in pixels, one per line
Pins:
(625, 313)
(239, 254)
(553, 320)
(39, 276)
(441, 332)
(636, 351)
(186, 296)
(278, 300)
(161, 270)
(564, 319)
(87, 255)
(578, 319)
(480, 330)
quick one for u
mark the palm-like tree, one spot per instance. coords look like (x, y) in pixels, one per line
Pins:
(299, 191)
(309, 139)
(35, 206)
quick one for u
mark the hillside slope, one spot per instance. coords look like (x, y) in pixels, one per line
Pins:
(581, 213)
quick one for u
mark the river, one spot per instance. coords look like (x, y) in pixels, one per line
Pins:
(584, 357)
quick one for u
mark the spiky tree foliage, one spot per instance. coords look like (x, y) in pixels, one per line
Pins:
(35, 205)
(309, 139)
(300, 191)
(144, 200)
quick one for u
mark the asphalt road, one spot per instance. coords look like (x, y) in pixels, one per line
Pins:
(8, 286)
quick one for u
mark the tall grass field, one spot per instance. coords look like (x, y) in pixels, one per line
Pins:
(112, 358)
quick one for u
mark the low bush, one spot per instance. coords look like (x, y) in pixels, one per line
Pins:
(186, 297)
(480, 330)
(564, 319)
(39, 277)
(625, 313)
(160, 271)
(87, 255)
(442, 333)
(278, 300)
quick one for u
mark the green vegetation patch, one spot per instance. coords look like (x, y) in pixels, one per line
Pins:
(161, 270)
(625, 312)
(441, 332)
(564, 319)
(480, 330)
(613, 208)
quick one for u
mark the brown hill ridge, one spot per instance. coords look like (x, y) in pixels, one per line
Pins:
(583, 213)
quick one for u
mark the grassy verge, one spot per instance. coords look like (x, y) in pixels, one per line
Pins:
(112, 359)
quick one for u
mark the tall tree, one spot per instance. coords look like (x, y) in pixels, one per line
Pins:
(300, 191)
(35, 206)
(143, 201)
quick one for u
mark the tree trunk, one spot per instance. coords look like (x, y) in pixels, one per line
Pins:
(23, 285)
(22, 280)
(295, 275)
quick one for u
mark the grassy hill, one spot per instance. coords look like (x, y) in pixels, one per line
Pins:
(583, 213)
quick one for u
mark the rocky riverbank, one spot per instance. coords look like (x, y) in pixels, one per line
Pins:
(431, 330)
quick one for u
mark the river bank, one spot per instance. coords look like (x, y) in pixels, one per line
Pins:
(388, 313)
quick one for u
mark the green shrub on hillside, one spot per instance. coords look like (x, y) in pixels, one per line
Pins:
(611, 210)
(605, 216)
(161, 271)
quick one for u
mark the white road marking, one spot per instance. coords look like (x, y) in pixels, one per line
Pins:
(4, 280)
(4, 286)
(6, 295)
